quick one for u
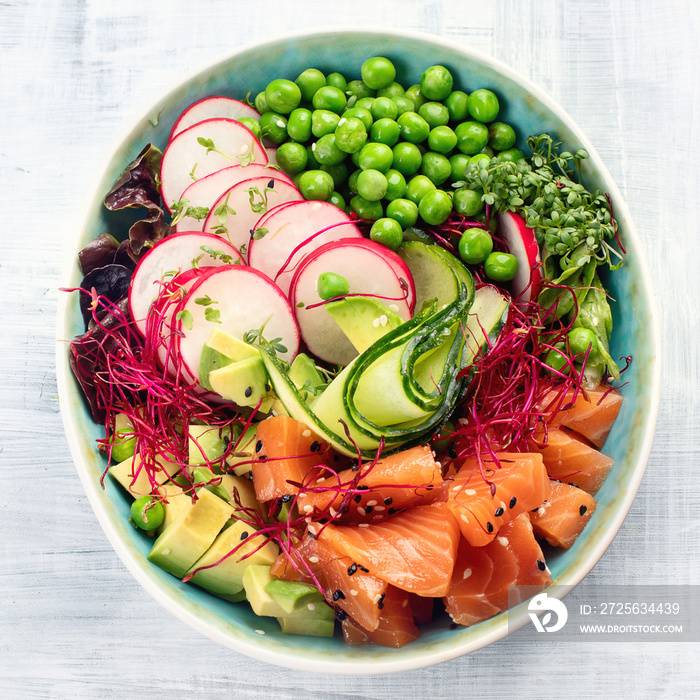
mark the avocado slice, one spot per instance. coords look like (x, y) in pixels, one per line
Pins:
(305, 375)
(293, 596)
(244, 382)
(363, 320)
(226, 576)
(141, 485)
(309, 627)
(190, 534)
(239, 459)
(207, 443)
(230, 346)
(255, 578)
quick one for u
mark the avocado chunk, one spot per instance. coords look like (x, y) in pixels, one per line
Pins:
(225, 575)
(190, 535)
(363, 320)
(212, 482)
(210, 360)
(132, 475)
(255, 578)
(306, 377)
(244, 382)
(309, 627)
(230, 346)
(207, 443)
(293, 596)
(244, 451)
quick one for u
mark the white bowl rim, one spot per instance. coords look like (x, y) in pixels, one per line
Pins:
(517, 617)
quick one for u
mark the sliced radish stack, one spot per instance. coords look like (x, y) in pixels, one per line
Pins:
(523, 245)
(237, 211)
(294, 231)
(212, 108)
(367, 270)
(170, 256)
(205, 191)
(246, 300)
(204, 148)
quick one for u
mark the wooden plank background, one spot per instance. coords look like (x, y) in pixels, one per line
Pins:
(73, 622)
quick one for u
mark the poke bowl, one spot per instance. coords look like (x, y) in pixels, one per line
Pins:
(529, 110)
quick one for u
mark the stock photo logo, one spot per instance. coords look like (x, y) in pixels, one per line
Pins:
(551, 607)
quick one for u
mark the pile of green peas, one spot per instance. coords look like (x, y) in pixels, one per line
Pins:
(386, 153)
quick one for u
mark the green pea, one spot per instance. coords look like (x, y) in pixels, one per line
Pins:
(456, 103)
(352, 181)
(435, 207)
(488, 151)
(436, 167)
(337, 199)
(501, 267)
(338, 172)
(557, 360)
(501, 136)
(475, 245)
(337, 80)
(442, 139)
(467, 202)
(364, 115)
(414, 94)
(260, 102)
(483, 105)
(291, 157)
(388, 232)
(311, 161)
(435, 113)
(299, 125)
(253, 125)
(315, 185)
(393, 90)
(332, 285)
(581, 339)
(403, 104)
(378, 72)
(147, 513)
(330, 98)
(458, 163)
(377, 156)
(273, 127)
(327, 152)
(396, 184)
(471, 137)
(418, 186)
(365, 103)
(309, 82)
(413, 127)
(481, 160)
(283, 95)
(407, 158)
(323, 122)
(350, 135)
(384, 108)
(364, 209)
(436, 83)
(404, 211)
(372, 185)
(124, 441)
(358, 89)
(512, 155)
(385, 131)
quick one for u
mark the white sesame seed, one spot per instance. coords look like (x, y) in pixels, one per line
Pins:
(393, 307)
(342, 121)
(333, 512)
(361, 511)
(353, 591)
(371, 503)
(244, 149)
(379, 509)
(383, 320)
(502, 541)
(280, 123)
(364, 525)
(470, 492)
(259, 631)
(405, 603)
(313, 560)
(377, 598)
(306, 433)
(308, 508)
(316, 206)
(311, 606)
(464, 517)
(467, 573)
(375, 323)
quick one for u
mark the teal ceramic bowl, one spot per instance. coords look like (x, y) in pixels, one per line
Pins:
(530, 110)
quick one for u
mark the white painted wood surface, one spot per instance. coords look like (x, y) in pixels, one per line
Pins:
(73, 622)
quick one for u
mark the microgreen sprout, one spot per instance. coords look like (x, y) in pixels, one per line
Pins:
(211, 148)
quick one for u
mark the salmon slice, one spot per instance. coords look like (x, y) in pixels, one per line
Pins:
(285, 451)
(483, 575)
(374, 491)
(563, 516)
(521, 483)
(346, 585)
(414, 550)
(573, 461)
(422, 608)
(396, 627)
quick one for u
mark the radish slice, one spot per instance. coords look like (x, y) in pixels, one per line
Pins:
(245, 299)
(367, 270)
(295, 230)
(235, 214)
(523, 245)
(185, 158)
(205, 191)
(212, 108)
(170, 256)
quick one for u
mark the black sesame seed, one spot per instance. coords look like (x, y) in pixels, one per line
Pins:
(499, 512)
(250, 475)
(354, 465)
(362, 568)
(286, 498)
(357, 498)
(361, 487)
(452, 450)
(582, 510)
(338, 595)
(571, 483)
(489, 527)
(244, 535)
(267, 387)
(315, 446)
(352, 569)
(541, 565)
(248, 392)
(336, 458)
(513, 501)
(388, 501)
(262, 458)
(258, 446)
(341, 615)
(251, 231)
(271, 184)
(311, 535)
(391, 511)
(380, 604)
(368, 510)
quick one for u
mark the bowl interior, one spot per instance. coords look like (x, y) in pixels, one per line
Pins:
(530, 111)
